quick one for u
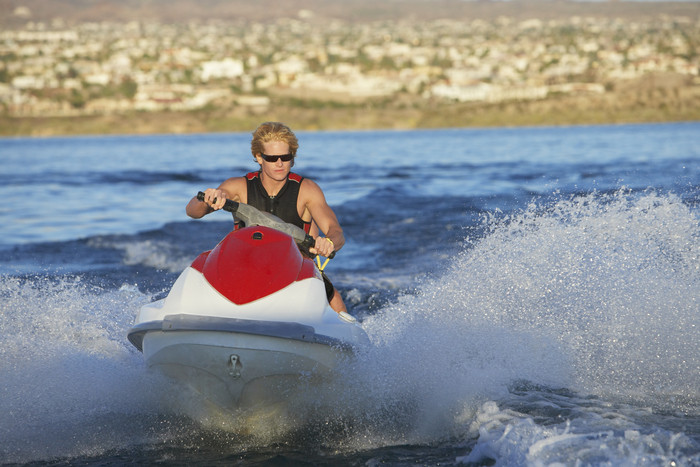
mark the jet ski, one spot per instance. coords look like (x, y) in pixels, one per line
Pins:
(248, 321)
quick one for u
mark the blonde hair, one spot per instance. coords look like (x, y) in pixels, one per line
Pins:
(273, 131)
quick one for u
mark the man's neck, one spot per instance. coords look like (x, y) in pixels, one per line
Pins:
(272, 187)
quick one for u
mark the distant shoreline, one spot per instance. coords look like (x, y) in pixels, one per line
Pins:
(551, 112)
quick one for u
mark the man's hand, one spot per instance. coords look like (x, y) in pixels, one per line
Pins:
(324, 246)
(215, 198)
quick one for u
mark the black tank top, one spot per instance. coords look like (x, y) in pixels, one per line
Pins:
(282, 205)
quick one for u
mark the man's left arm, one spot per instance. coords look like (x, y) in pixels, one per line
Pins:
(324, 217)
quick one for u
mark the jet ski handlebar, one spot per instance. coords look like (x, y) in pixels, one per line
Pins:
(230, 206)
(252, 216)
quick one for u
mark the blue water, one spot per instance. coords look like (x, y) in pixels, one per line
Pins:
(532, 296)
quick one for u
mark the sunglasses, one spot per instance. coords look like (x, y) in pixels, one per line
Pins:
(284, 157)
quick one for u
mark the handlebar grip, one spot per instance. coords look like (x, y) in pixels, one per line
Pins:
(230, 206)
(309, 242)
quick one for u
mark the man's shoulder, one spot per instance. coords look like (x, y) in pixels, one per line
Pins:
(235, 187)
(309, 188)
(234, 180)
(233, 184)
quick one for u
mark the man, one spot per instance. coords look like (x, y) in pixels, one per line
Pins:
(277, 190)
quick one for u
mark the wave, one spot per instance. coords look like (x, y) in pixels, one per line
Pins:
(66, 369)
(87, 178)
(160, 255)
(597, 293)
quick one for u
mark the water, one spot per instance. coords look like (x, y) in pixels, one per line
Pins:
(532, 298)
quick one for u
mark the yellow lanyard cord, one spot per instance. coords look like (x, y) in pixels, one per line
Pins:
(318, 263)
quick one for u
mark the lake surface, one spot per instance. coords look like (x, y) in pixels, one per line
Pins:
(532, 296)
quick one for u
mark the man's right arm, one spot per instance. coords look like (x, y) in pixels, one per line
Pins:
(215, 198)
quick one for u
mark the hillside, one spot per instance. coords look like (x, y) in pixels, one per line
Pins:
(74, 11)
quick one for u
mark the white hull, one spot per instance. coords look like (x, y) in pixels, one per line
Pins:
(239, 370)
(237, 357)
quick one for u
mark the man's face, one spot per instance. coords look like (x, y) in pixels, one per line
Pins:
(279, 169)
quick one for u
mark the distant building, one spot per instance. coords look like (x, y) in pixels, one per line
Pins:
(221, 69)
